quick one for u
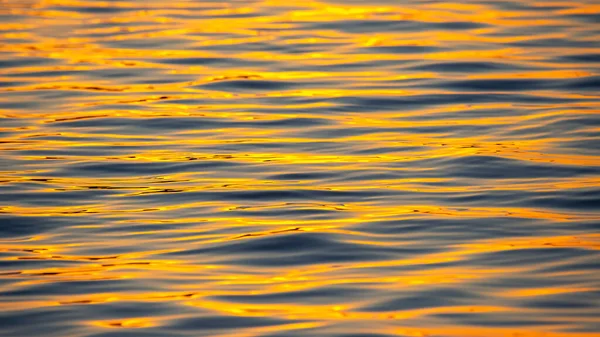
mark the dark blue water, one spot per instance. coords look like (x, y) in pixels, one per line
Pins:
(299, 168)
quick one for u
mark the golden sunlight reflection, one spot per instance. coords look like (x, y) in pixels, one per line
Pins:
(299, 168)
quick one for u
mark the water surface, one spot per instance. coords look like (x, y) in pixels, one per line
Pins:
(299, 168)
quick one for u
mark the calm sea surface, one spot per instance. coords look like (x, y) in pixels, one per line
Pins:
(299, 168)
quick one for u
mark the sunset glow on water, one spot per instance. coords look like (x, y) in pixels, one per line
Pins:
(299, 168)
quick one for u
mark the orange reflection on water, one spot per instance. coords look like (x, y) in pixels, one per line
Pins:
(303, 167)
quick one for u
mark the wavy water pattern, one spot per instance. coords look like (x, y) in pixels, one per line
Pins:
(299, 168)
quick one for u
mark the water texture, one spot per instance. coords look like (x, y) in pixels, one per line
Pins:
(299, 168)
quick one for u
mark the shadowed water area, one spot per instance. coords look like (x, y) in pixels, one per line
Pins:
(299, 168)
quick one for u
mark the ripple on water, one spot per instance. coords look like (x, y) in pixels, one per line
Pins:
(301, 168)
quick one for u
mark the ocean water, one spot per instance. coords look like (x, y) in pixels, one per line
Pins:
(299, 168)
